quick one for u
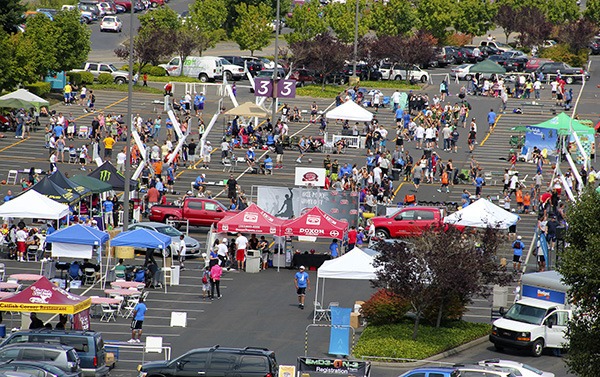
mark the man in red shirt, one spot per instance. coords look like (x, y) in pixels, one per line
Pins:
(351, 238)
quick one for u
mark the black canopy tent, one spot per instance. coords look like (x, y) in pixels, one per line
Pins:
(61, 180)
(53, 191)
(109, 174)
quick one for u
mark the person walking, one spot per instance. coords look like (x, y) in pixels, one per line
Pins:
(215, 281)
(518, 247)
(206, 282)
(139, 313)
(182, 251)
(302, 283)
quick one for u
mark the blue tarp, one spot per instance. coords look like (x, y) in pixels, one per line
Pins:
(142, 238)
(80, 235)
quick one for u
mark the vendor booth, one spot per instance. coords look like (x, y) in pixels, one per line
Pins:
(55, 192)
(350, 111)
(251, 220)
(109, 174)
(44, 297)
(62, 181)
(96, 186)
(148, 239)
(483, 214)
(33, 205)
(22, 98)
(354, 265)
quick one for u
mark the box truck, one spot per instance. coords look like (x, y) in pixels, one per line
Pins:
(204, 68)
(538, 319)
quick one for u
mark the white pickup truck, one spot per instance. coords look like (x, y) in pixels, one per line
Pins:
(538, 319)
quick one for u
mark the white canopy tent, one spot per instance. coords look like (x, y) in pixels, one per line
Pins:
(33, 205)
(351, 111)
(483, 214)
(22, 98)
(354, 265)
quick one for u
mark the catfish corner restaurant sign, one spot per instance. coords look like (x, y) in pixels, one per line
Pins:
(325, 366)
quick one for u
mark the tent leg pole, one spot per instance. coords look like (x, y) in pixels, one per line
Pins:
(279, 252)
(315, 303)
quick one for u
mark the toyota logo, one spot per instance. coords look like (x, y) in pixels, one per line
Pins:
(334, 233)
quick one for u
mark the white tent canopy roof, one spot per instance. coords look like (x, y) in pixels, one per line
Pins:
(354, 265)
(483, 214)
(22, 98)
(351, 111)
(33, 205)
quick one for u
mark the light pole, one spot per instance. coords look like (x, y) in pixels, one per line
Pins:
(130, 125)
(276, 63)
(354, 78)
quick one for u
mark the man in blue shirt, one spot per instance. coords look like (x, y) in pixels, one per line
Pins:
(345, 170)
(199, 181)
(199, 103)
(8, 196)
(518, 247)
(333, 248)
(302, 282)
(491, 118)
(58, 130)
(107, 208)
(478, 185)
(170, 177)
(139, 312)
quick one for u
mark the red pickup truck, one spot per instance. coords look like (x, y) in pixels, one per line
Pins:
(408, 222)
(198, 211)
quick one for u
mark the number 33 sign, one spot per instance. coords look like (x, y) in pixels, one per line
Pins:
(264, 88)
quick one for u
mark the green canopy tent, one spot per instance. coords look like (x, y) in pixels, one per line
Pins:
(61, 180)
(563, 123)
(489, 67)
(21, 98)
(96, 186)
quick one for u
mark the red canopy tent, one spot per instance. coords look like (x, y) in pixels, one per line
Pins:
(45, 297)
(251, 220)
(315, 223)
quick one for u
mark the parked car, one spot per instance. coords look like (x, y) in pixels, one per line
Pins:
(462, 72)
(303, 76)
(481, 371)
(61, 356)
(124, 3)
(334, 78)
(595, 46)
(88, 344)
(198, 211)
(431, 372)
(469, 55)
(269, 73)
(568, 73)
(488, 51)
(205, 68)
(534, 63)
(33, 369)
(498, 45)
(95, 68)
(391, 71)
(517, 368)
(232, 72)
(515, 61)
(216, 361)
(88, 9)
(408, 222)
(107, 7)
(112, 23)
(192, 245)
(363, 71)
(446, 55)
(254, 65)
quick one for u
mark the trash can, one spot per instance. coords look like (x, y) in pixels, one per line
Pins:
(252, 261)
(500, 296)
(396, 174)
(175, 275)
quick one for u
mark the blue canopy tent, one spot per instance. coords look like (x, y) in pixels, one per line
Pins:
(78, 241)
(144, 239)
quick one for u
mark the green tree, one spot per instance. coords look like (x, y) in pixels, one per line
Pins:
(11, 14)
(592, 11)
(435, 16)
(73, 40)
(562, 11)
(506, 18)
(341, 17)
(43, 34)
(395, 17)
(473, 17)
(163, 18)
(580, 268)
(307, 22)
(16, 65)
(208, 17)
(252, 31)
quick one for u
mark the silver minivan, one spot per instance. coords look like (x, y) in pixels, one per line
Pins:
(59, 355)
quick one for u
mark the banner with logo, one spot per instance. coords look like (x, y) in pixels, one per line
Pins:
(339, 338)
(314, 177)
(327, 366)
(294, 202)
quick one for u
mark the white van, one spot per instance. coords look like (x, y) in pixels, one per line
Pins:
(539, 319)
(204, 68)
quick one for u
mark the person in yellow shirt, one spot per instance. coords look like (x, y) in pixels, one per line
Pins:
(109, 143)
(68, 91)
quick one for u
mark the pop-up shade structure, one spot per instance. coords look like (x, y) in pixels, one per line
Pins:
(489, 67)
(62, 181)
(96, 186)
(251, 220)
(354, 265)
(55, 192)
(44, 297)
(315, 223)
(76, 241)
(248, 109)
(22, 98)
(483, 214)
(351, 111)
(109, 174)
(33, 205)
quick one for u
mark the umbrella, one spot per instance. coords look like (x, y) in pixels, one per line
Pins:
(248, 109)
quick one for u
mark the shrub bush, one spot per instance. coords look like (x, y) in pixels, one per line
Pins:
(384, 308)
(105, 78)
(452, 311)
(39, 88)
(459, 39)
(155, 71)
(562, 53)
(82, 77)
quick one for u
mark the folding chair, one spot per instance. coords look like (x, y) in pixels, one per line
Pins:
(2, 271)
(32, 253)
(227, 165)
(89, 275)
(108, 313)
(11, 179)
(130, 306)
(321, 313)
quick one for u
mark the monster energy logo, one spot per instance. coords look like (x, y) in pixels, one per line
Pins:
(105, 175)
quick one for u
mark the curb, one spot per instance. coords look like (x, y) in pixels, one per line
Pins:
(434, 358)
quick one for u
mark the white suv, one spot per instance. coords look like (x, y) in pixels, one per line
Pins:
(517, 368)
(391, 71)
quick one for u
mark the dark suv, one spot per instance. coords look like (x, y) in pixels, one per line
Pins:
(88, 345)
(254, 66)
(216, 362)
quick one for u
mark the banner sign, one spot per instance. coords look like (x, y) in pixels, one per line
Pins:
(294, 202)
(339, 338)
(314, 177)
(326, 366)
(544, 294)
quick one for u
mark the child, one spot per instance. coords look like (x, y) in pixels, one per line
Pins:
(445, 182)
(205, 282)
